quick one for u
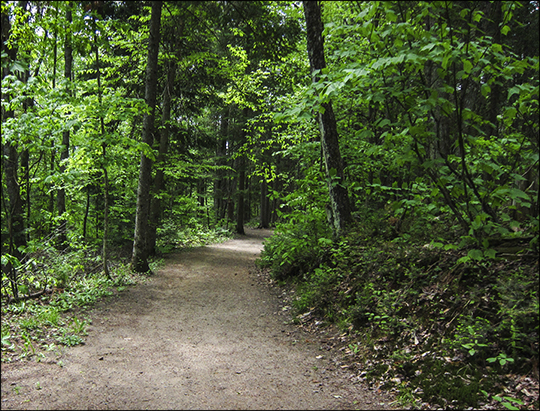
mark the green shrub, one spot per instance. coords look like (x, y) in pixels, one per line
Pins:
(297, 246)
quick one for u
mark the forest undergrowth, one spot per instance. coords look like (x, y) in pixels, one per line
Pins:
(436, 327)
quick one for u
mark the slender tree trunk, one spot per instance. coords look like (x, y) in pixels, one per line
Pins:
(139, 259)
(64, 154)
(159, 181)
(220, 202)
(240, 205)
(10, 164)
(240, 211)
(104, 172)
(265, 205)
(340, 211)
(86, 211)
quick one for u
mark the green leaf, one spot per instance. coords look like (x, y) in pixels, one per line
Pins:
(477, 16)
(464, 259)
(445, 61)
(510, 113)
(505, 30)
(467, 66)
(476, 254)
(512, 91)
(516, 192)
(391, 15)
(491, 253)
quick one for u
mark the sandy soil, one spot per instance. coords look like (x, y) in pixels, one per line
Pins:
(204, 333)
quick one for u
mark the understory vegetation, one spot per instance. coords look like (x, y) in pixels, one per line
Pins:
(440, 328)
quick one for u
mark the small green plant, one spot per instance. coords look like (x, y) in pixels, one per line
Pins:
(50, 316)
(505, 401)
(69, 339)
(502, 358)
(78, 326)
(471, 337)
(28, 346)
(473, 347)
(29, 323)
(6, 343)
(354, 348)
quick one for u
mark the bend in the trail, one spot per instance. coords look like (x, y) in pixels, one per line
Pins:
(202, 334)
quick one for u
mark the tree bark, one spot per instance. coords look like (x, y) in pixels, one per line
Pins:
(159, 180)
(10, 164)
(220, 184)
(139, 259)
(265, 204)
(340, 211)
(64, 154)
(240, 211)
(240, 205)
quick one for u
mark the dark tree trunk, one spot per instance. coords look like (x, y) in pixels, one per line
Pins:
(139, 259)
(220, 184)
(105, 174)
(240, 211)
(265, 205)
(340, 211)
(64, 154)
(86, 211)
(159, 181)
(240, 205)
(10, 164)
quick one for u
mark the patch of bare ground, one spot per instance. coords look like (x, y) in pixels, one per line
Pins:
(206, 332)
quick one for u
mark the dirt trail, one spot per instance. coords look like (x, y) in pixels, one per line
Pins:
(203, 333)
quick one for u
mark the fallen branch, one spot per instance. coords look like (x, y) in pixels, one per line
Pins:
(13, 299)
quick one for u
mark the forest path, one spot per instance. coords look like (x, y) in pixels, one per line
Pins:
(203, 333)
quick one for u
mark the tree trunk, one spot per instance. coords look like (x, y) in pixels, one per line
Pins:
(159, 181)
(240, 211)
(10, 163)
(64, 154)
(241, 187)
(103, 168)
(340, 211)
(265, 205)
(220, 201)
(140, 254)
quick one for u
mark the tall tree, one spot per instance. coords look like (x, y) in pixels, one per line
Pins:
(10, 165)
(340, 210)
(64, 154)
(240, 210)
(139, 260)
(159, 180)
(104, 170)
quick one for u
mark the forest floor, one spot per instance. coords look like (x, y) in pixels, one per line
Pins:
(205, 332)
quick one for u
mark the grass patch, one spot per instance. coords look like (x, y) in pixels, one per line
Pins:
(31, 328)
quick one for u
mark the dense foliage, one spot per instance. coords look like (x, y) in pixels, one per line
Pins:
(436, 150)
